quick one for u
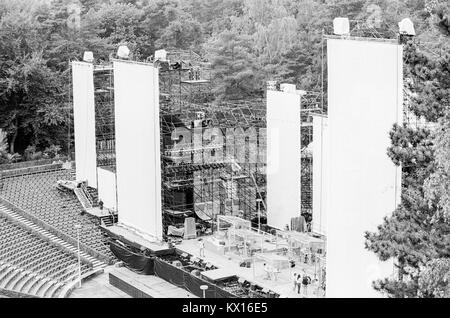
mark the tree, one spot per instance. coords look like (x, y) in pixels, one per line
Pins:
(417, 234)
(235, 71)
(32, 97)
(434, 279)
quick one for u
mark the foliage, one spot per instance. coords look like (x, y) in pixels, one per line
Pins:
(417, 234)
(434, 280)
(247, 43)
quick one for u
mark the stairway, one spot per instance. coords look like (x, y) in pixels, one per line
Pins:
(107, 220)
(81, 196)
(92, 195)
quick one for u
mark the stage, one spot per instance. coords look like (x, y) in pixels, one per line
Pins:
(131, 237)
(99, 213)
(217, 275)
(145, 286)
(282, 283)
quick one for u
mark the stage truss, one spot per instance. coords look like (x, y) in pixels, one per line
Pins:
(226, 186)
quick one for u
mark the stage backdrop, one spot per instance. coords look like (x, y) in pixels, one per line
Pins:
(283, 158)
(136, 93)
(320, 175)
(107, 188)
(364, 101)
(84, 122)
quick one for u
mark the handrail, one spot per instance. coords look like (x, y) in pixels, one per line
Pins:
(87, 194)
(29, 164)
(82, 198)
(56, 231)
(31, 170)
(14, 294)
(45, 238)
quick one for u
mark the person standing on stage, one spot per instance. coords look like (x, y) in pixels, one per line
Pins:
(267, 270)
(294, 281)
(201, 244)
(305, 282)
(299, 283)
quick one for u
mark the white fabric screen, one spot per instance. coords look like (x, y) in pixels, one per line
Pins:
(283, 158)
(107, 188)
(364, 101)
(84, 122)
(136, 93)
(320, 175)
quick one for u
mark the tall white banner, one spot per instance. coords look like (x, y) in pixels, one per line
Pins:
(320, 174)
(84, 122)
(364, 101)
(107, 190)
(283, 158)
(138, 165)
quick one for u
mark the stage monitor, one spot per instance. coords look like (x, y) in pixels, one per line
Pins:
(138, 164)
(84, 122)
(283, 158)
(364, 101)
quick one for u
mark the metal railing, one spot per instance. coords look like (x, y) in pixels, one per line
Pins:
(58, 233)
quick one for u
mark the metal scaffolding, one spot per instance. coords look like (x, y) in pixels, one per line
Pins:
(232, 184)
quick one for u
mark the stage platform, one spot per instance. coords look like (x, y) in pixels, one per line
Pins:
(145, 286)
(217, 275)
(282, 284)
(127, 235)
(98, 213)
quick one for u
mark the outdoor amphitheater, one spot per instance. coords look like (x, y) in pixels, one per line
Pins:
(169, 195)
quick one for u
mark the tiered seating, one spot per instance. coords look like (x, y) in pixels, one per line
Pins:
(31, 265)
(36, 193)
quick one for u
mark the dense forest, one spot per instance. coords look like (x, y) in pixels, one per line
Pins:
(247, 43)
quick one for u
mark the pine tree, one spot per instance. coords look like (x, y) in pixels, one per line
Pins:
(418, 233)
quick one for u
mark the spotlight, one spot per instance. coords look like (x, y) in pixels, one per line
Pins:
(341, 26)
(288, 88)
(123, 52)
(406, 27)
(161, 55)
(88, 57)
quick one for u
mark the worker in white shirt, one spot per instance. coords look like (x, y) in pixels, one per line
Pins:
(267, 270)
(201, 245)
(294, 281)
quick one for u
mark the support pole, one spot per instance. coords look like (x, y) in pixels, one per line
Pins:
(78, 227)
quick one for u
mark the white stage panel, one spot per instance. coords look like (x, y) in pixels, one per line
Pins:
(84, 122)
(107, 188)
(283, 158)
(320, 175)
(364, 101)
(136, 93)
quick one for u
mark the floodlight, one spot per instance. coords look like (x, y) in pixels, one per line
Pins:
(341, 26)
(88, 57)
(161, 55)
(406, 27)
(288, 88)
(123, 52)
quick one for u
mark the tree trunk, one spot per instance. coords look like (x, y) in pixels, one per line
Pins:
(401, 271)
(14, 137)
